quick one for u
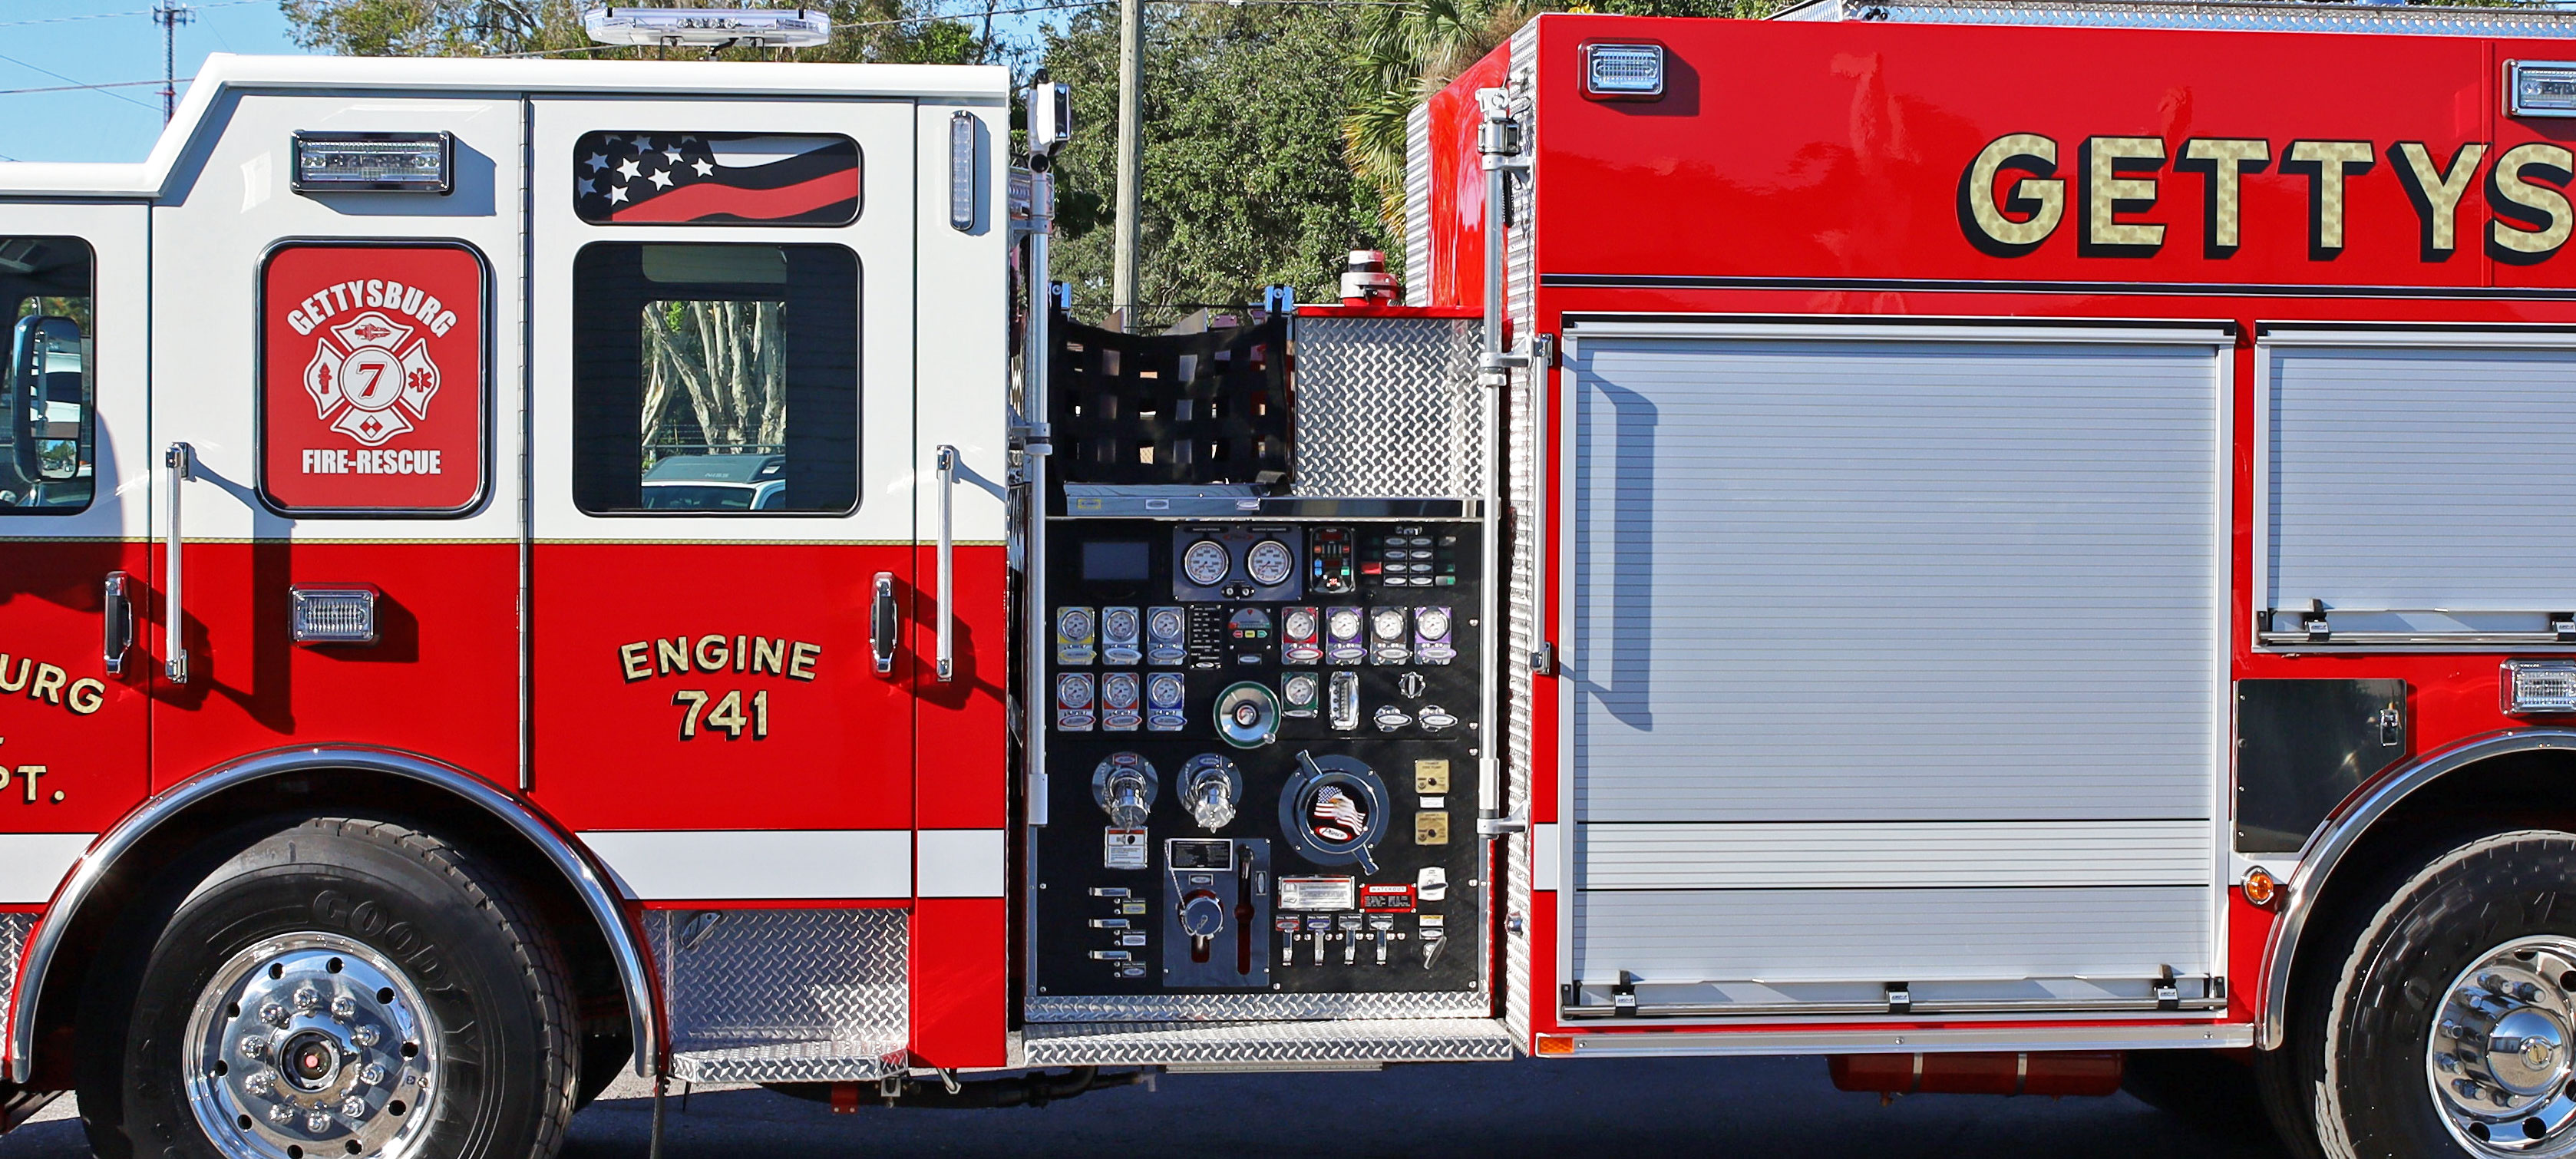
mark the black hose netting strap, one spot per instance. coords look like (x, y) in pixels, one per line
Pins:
(1182, 408)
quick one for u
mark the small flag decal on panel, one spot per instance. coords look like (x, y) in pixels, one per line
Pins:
(715, 179)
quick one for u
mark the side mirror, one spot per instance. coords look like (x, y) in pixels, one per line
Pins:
(48, 399)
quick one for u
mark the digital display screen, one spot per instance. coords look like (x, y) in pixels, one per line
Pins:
(1117, 560)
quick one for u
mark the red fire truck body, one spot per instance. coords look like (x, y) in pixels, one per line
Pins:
(1900, 532)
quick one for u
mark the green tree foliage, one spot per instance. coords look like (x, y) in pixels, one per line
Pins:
(895, 31)
(1243, 184)
(1407, 52)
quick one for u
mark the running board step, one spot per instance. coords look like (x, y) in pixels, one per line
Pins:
(1267, 1044)
(791, 1062)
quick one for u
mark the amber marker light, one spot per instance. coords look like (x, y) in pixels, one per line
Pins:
(1555, 1045)
(2260, 887)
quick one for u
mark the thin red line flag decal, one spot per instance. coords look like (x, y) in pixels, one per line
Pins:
(715, 179)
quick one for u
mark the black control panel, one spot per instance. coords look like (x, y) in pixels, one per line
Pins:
(1261, 738)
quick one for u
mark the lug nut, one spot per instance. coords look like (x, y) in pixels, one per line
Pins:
(367, 1036)
(254, 1046)
(354, 1108)
(280, 1114)
(342, 1006)
(371, 1074)
(272, 1014)
(2527, 992)
(261, 1083)
(2467, 1088)
(317, 1121)
(306, 998)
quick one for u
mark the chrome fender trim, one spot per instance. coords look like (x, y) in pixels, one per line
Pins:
(2345, 828)
(586, 880)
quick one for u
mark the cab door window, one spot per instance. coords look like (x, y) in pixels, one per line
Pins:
(48, 419)
(715, 379)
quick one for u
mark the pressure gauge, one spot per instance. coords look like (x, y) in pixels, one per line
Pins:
(1205, 563)
(1298, 624)
(1387, 623)
(1073, 623)
(1428, 623)
(1270, 562)
(1073, 690)
(1166, 623)
(1345, 623)
(1118, 624)
(1164, 690)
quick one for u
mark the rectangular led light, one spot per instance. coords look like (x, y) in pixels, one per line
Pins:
(2541, 88)
(375, 163)
(342, 614)
(1623, 71)
(2539, 687)
(962, 157)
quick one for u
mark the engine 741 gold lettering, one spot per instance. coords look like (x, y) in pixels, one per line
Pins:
(726, 714)
(51, 684)
(710, 654)
(2012, 196)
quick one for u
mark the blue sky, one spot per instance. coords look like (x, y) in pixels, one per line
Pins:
(109, 41)
(48, 44)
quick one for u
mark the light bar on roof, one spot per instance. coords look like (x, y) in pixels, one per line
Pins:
(709, 27)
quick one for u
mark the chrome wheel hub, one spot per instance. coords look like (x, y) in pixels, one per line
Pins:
(309, 1046)
(2502, 1058)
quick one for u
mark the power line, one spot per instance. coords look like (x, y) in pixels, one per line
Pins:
(115, 15)
(123, 84)
(76, 83)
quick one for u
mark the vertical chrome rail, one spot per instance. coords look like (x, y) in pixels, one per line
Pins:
(179, 465)
(947, 562)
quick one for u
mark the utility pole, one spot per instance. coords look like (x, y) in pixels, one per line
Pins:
(170, 14)
(1131, 52)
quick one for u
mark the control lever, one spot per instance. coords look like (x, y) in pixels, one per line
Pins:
(1287, 928)
(1434, 939)
(1383, 926)
(883, 623)
(1322, 928)
(1350, 924)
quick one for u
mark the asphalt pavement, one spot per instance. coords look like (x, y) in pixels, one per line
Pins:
(1630, 1109)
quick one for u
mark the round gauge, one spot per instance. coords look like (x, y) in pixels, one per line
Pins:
(1432, 623)
(1387, 623)
(1299, 687)
(1345, 623)
(1167, 623)
(1164, 689)
(1205, 563)
(1072, 691)
(1270, 562)
(1119, 623)
(1118, 690)
(1298, 624)
(1073, 623)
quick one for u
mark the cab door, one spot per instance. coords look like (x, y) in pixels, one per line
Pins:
(75, 502)
(724, 534)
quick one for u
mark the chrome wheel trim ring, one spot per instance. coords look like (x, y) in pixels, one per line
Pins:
(310, 1046)
(2501, 1053)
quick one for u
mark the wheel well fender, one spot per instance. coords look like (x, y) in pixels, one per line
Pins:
(500, 824)
(2519, 772)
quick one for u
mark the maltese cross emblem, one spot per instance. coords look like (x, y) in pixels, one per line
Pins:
(362, 387)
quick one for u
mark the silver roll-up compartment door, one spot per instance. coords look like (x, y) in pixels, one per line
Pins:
(1896, 661)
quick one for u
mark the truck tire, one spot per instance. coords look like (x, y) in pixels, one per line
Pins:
(334, 987)
(2449, 1026)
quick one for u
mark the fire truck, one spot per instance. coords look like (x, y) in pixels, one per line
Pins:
(1996, 541)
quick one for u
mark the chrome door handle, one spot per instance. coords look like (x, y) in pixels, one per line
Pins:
(883, 624)
(947, 655)
(116, 608)
(179, 465)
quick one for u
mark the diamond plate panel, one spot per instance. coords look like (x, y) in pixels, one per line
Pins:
(1249, 1007)
(1388, 407)
(783, 995)
(1372, 1040)
(2253, 15)
(1525, 471)
(1417, 206)
(13, 939)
